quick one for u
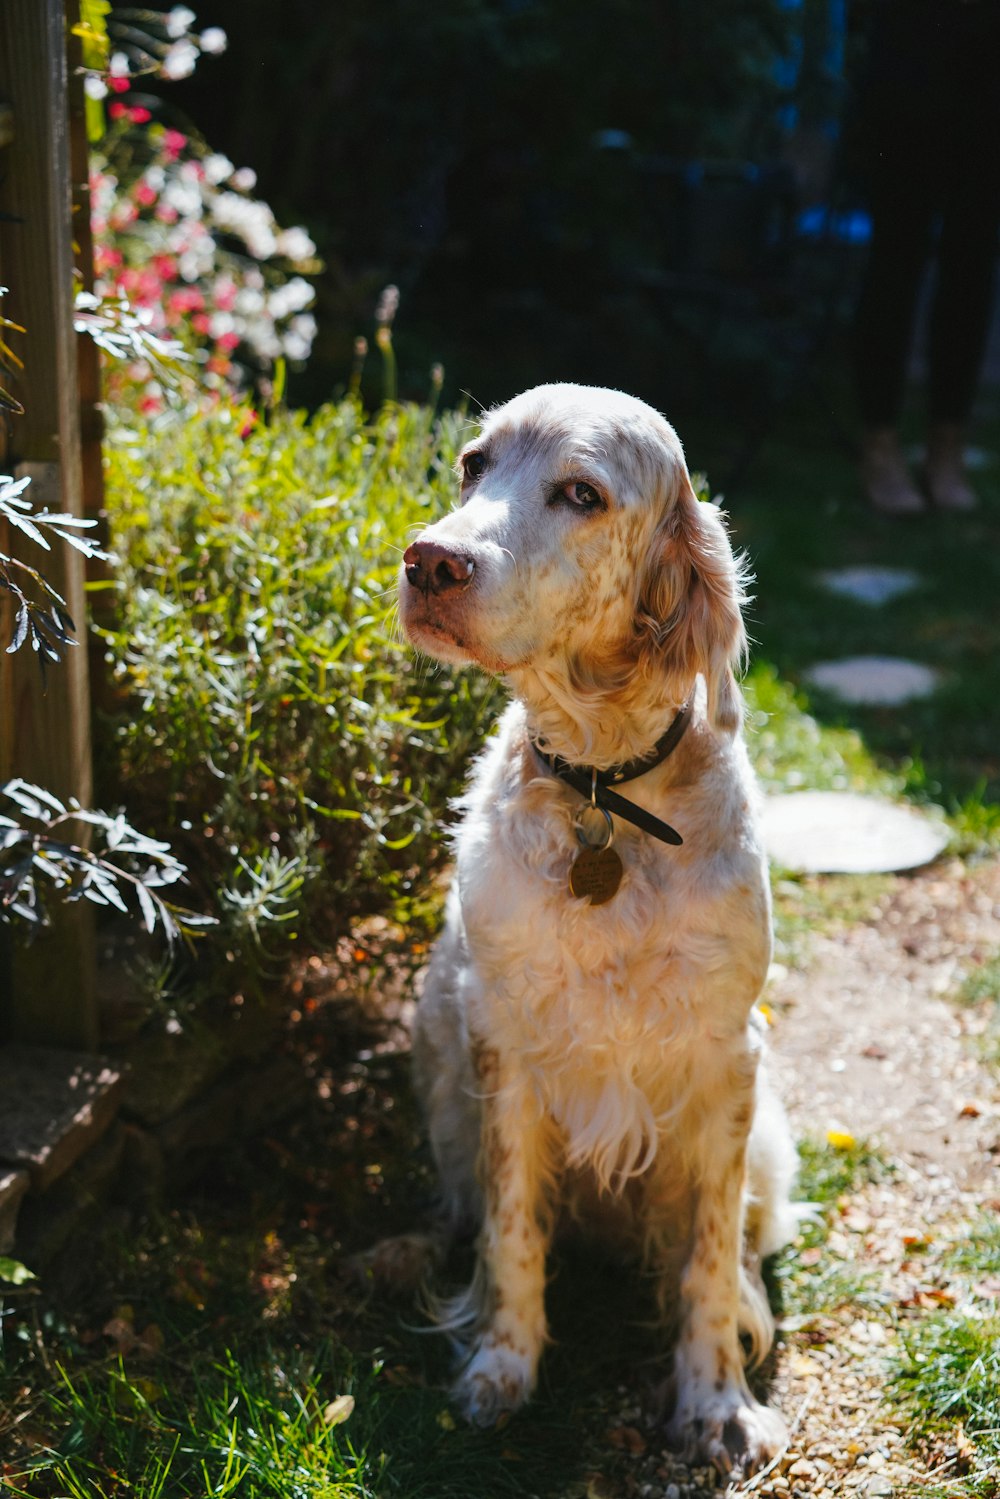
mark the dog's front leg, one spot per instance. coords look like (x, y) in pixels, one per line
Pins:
(510, 1275)
(716, 1418)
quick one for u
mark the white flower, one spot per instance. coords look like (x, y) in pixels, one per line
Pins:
(94, 87)
(253, 222)
(179, 60)
(249, 301)
(221, 322)
(217, 168)
(292, 297)
(118, 66)
(295, 244)
(193, 264)
(298, 339)
(263, 340)
(178, 20)
(213, 40)
(156, 178)
(245, 179)
(184, 197)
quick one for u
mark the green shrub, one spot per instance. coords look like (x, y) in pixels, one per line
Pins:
(269, 714)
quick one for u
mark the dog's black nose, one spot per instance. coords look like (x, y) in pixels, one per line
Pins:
(434, 568)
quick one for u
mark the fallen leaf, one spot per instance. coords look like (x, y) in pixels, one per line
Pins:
(926, 1296)
(965, 1451)
(121, 1333)
(876, 1051)
(338, 1410)
(627, 1439)
(970, 1110)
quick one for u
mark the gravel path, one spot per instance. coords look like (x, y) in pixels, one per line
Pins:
(867, 1041)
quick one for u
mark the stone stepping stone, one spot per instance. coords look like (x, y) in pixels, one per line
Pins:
(870, 585)
(842, 832)
(877, 681)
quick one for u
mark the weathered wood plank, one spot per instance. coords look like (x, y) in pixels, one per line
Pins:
(13, 1185)
(45, 737)
(54, 1105)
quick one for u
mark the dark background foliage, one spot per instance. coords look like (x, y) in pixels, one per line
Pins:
(518, 169)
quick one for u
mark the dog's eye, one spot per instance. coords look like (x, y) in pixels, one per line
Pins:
(584, 496)
(473, 466)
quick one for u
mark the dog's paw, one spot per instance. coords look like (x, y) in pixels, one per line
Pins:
(398, 1266)
(732, 1432)
(497, 1379)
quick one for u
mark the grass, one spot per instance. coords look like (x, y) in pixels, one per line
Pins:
(211, 1354)
(946, 1378)
(810, 1279)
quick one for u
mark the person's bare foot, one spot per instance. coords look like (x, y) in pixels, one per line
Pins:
(885, 477)
(945, 475)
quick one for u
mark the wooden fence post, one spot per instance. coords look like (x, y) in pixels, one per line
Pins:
(45, 736)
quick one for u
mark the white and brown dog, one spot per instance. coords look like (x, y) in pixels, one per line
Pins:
(587, 1038)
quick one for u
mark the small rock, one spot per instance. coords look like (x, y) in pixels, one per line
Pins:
(802, 1469)
(876, 1487)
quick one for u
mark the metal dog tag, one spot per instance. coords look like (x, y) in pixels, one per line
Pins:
(597, 873)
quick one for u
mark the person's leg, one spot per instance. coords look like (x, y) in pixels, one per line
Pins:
(900, 179)
(967, 254)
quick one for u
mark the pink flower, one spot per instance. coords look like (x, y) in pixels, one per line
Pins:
(166, 213)
(118, 85)
(138, 114)
(123, 214)
(201, 322)
(144, 195)
(173, 144)
(228, 342)
(225, 295)
(250, 420)
(106, 259)
(165, 267)
(150, 403)
(186, 299)
(117, 110)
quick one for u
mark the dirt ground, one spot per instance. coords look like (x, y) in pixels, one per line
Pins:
(869, 1042)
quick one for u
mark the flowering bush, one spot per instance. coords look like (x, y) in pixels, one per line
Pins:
(180, 238)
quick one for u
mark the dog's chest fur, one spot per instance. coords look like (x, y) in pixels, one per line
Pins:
(609, 1007)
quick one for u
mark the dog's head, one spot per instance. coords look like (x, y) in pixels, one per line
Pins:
(580, 549)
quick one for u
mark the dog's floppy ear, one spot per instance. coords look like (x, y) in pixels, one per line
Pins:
(689, 617)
